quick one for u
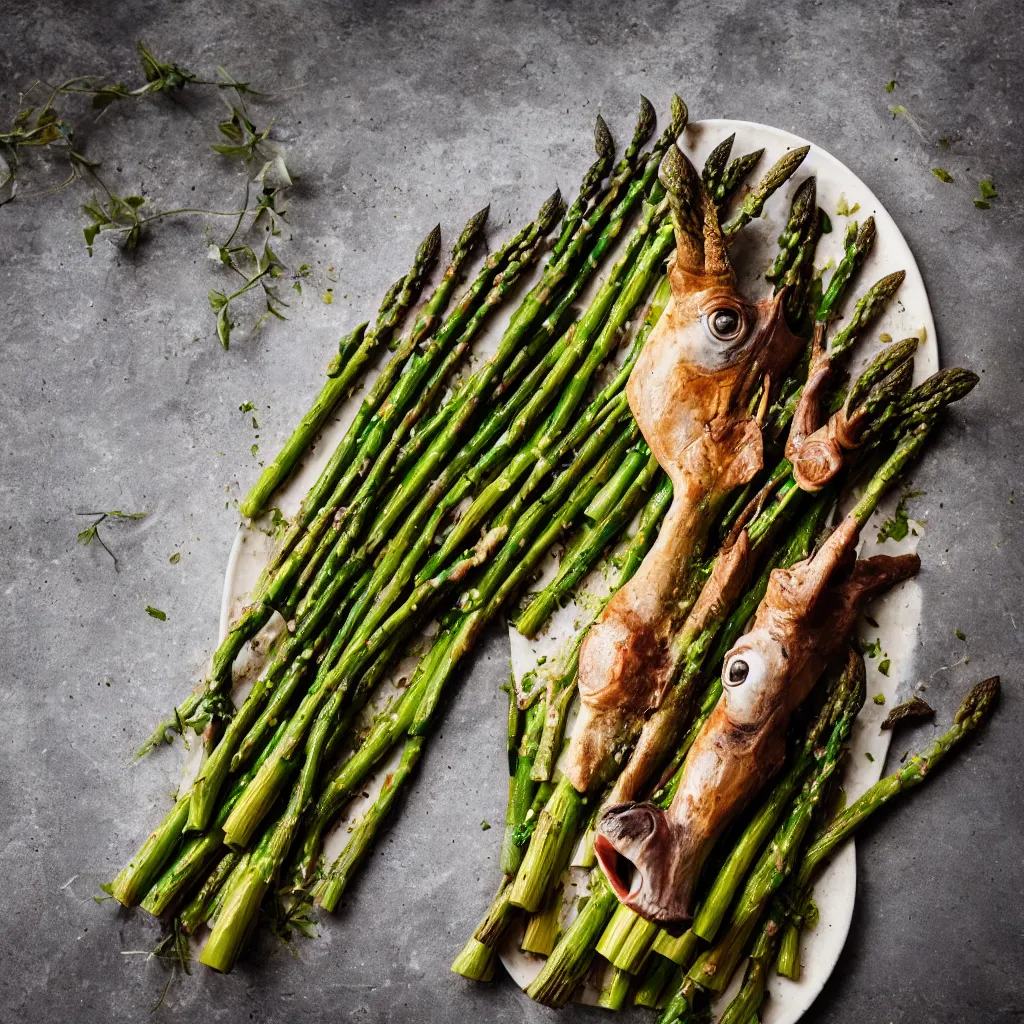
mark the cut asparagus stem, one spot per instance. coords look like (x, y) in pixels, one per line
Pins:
(333, 886)
(338, 386)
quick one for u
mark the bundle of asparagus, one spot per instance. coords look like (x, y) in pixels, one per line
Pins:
(440, 502)
(546, 814)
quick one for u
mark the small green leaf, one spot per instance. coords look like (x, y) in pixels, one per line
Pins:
(982, 205)
(484, 826)
(218, 300)
(247, 407)
(843, 208)
(960, 635)
(175, 558)
(889, 86)
(90, 233)
(134, 201)
(883, 667)
(943, 175)
(224, 326)
(988, 190)
(879, 698)
(898, 526)
(872, 650)
(156, 613)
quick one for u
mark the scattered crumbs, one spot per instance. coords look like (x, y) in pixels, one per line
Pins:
(247, 407)
(885, 338)
(156, 613)
(960, 635)
(484, 826)
(943, 175)
(872, 650)
(843, 208)
(890, 85)
(879, 699)
(328, 296)
(869, 756)
(175, 558)
(883, 667)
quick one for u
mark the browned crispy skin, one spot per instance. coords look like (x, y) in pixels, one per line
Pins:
(689, 391)
(804, 618)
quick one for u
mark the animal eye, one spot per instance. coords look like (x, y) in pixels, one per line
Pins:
(743, 667)
(724, 324)
(738, 670)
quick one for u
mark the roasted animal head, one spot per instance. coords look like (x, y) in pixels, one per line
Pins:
(709, 352)
(691, 392)
(653, 857)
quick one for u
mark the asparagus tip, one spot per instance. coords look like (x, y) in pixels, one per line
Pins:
(645, 122)
(430, 246)
(604, 144)
(979, 702)
(551, 211)
(680, 116)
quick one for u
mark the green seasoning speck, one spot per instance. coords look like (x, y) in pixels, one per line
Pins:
(156, 613)
(246, 407)
(879, 698)
(869, 756)
(484, 826)
(943, 175)
(889, 86)
(898, 527)
(175, 558)
(872, 650)
(883, 667)
(960, 635)
(254, 449)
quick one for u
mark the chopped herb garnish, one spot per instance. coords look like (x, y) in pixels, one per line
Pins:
(879, 699)
(92, 532)
(255, 450)
(247, 407)
(988, 190)
(883, 667)
(943, 175)
(484, 826)
(872, 650)
(843, 208)
(175, 558)
(960, 635)
(885, 338)
(898, 526)
(869, 756)
(889, 86)
(328, 296)
(156, 613)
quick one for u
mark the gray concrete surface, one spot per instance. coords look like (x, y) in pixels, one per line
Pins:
(115, 394)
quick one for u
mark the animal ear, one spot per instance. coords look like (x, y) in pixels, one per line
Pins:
(869, 578)
(802, 586)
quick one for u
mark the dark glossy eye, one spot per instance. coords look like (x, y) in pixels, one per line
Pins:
(724, 324)
(738, 670)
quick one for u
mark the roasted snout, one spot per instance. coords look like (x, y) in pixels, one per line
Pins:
(653, 857)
